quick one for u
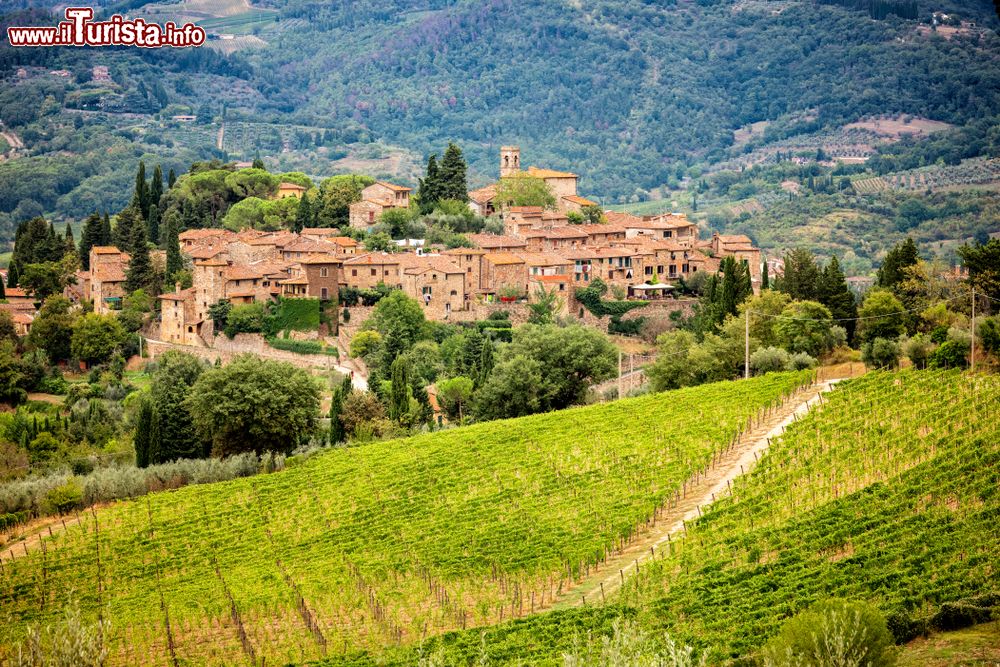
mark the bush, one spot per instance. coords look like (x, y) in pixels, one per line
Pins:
(301, 346)
(64, 498)
(881, 353)
(961, 614)
(833, 632)
(918, 350)
(950, 354)
(800, 361)
(989, 334)
(769, 360)
(246, 318)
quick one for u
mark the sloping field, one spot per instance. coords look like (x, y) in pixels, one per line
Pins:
(888, 492)
(366, 548)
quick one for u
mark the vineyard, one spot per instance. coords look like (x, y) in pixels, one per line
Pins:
(972, 173)
(887, 492)
(362, 549)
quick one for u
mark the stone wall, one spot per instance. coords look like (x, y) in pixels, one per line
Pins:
(224, 349)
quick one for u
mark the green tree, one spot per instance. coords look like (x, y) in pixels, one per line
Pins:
(156, 189)
(881, 316)
(524, 190)
(254, 404)
(765, 281)
(11, 378)
(252, 183)
(544, 307)
(801, 278)
(175, 374)
(453, 183)
(400, 321)
(399, 392)
(805, 326)
(52, 329)
(43, 280)
(337, 193)
(139, 274)
(983, 262)
(892, 272)
(593, 215)
(142, 440)
(429, 187)
(455, 394)
(96, 337)
(140, 195)
(171, 178)
(834, 293)
(90, 236)
(512, 390)
(303, 214)
(833, 632)
(175, 262)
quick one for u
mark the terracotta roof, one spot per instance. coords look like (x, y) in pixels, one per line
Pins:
(527, 209)
(371, 258)
(204, 252)
(242, 272)
(321, 258)
(621, 218)
(203, 233)
(16, 292)
(439, 264)
(178, 296)
(344, 241)
(557, 278)
(503, 258)
(105, 250)
(320, 231)
(601, 228)
(578, 200)
(106, 273)
(484, 195)
(22, 318)
(734, 238)
(496, 241)
(305, 245)
(18, 307)
(674, 220)
(549, 173)
(211, 262)
(578, 253)
(463, 251)
(543, 259)
(292, 186)
(393, 186)
(296, 280)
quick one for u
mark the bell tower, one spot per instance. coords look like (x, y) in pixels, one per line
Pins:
(510, 160)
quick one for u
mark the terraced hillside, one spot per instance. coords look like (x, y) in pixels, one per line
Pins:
(888, 492)
(367, 548)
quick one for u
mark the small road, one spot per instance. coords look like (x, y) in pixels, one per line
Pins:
(698, 492)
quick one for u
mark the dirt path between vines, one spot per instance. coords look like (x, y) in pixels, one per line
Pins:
(698, 492)
(31, 535)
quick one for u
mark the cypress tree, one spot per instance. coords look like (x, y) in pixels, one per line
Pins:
(140, 196)
(156, 188)
(303, 215)
(893, 269)
(174, 261)
(336, 425)
(143, 430)
(106, 234)
(154, 224)
(68, 241)
(3, 291)
(453, 184)
(171, 179)
(486, 363)
(12, 276)
(837, 296)
(139, 274)
(765, 281)
(429, 188)
(258, 163)
(399, 391)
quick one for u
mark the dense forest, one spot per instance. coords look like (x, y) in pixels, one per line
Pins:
(628, 94)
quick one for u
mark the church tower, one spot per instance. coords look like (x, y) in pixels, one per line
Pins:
(510, 160)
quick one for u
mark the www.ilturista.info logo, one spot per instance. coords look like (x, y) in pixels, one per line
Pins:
(79, 30)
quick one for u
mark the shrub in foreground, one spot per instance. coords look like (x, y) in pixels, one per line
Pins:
(833, 633)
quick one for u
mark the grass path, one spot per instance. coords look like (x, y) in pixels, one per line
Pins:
(698, 492)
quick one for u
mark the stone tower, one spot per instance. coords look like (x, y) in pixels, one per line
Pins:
(510, 160)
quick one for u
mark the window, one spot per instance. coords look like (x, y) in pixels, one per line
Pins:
(673, 269)
(667, 234)
(684, 268)
(324, 294)
(324, 272)
(354, 272)
(374, 272)
(371, 216)
(649, 270)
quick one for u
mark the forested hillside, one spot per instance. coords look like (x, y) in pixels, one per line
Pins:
(629, 94)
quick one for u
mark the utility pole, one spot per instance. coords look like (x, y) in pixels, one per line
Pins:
(620, 393)
(973, 356)
(746, 345)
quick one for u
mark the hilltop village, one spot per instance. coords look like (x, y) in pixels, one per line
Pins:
(539, 250)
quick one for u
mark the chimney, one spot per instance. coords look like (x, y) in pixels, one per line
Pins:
(177, 286)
